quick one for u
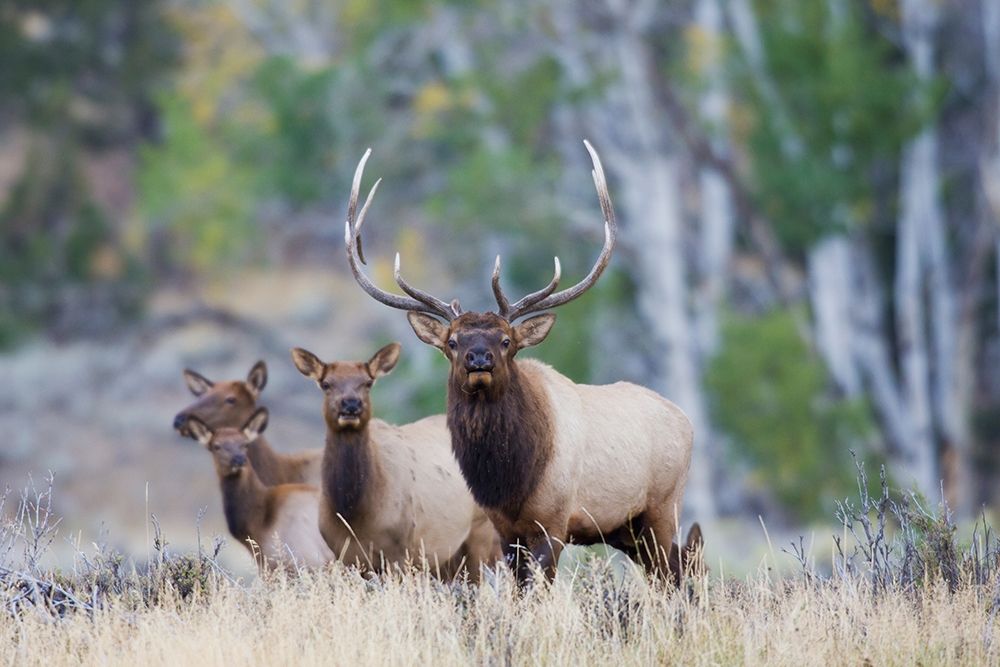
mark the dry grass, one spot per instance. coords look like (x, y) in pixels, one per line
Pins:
(338, 618)
(902, 590)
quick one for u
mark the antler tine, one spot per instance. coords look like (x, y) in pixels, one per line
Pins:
(352, 204)
(435, 304)
(352, 241)
(515, 311)
(503, 305)
(543, 300)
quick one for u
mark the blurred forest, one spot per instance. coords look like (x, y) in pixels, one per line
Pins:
(808, 195)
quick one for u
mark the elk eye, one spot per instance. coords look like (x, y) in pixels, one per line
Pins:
(368, 385)
(452, 343)
(505, 342)
(325, 386)
(230, 400)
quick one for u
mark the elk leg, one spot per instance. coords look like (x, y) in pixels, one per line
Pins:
(482, 547)
(545, 550)
(657, 542)
(539, 548)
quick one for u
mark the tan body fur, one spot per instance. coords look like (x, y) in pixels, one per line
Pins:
(273, 467)
(600, 473)
(421, 508)
(284, 533)
(392, 494)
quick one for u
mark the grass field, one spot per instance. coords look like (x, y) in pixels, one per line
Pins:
(337, 618)
(900, 589)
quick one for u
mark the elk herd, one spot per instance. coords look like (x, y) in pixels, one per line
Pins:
(524, 462)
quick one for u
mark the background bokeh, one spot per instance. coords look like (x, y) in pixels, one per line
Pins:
(808, 195)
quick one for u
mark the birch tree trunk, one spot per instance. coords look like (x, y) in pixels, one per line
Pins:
(716, 234)
(637, 149)
(990, 166)
(831, 294)
(919, 237)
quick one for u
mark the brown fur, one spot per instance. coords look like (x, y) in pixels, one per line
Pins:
(502, 440)
(391, 494)
(553, 461)
(228, 404)
(277, 524)
(689, 560)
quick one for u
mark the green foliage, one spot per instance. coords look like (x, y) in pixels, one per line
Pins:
(109, 53)
(189, 185)
(295, 153)
(769, 393)
(77, 80)
(831, 127)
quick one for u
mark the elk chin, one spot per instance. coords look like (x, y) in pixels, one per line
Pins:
(478, 380)
(348, 422)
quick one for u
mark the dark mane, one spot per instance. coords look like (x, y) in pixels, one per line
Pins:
(502, 441)
(347, 471)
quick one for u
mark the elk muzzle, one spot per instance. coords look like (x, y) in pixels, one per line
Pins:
(479, 364)
(180, 423)
(479, 360)
(351, 410)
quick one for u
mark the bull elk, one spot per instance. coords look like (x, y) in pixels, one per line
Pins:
(391, 493)
(228, 404)
(278, 524)
(549, 460)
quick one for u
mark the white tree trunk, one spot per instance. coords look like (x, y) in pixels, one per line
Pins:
(991, 163)
(634, 142)
(928, 366)
(919, 451)
(657, 229)
(830, 292)
(871, 350)
(716, 234)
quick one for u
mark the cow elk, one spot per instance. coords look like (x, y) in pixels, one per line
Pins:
(391, 494)
(278, 524)
(689, 560)
(229, 405)
(550, 460)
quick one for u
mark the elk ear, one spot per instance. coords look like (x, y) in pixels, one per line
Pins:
(257, 377)
(256, 424)
(199, 431)
(308, 363)
(384, 360)
(196, 382)
(695, 540)
(428, 329)
(533, 330)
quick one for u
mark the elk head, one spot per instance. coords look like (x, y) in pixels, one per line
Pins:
(689, 559)
(228, 445)
(221, 404)
(480, 346)
(347, 385)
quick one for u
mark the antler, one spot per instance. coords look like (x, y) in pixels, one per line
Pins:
(418, 300)
(544, 298)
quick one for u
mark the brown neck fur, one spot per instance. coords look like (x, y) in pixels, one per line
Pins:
(268, 463)
(502, 440)
(245, 501)
(350, 472)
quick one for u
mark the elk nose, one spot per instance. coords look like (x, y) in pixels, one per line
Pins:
(239, 460)
(479, 359)
(351, 406)
(179, 421)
